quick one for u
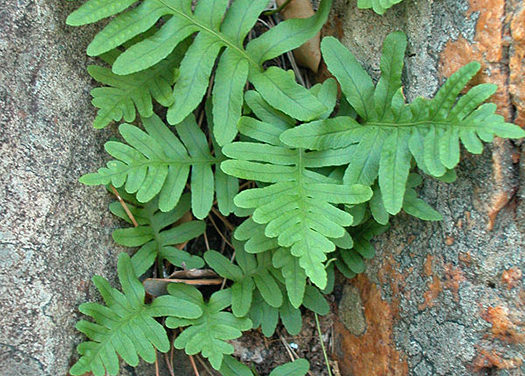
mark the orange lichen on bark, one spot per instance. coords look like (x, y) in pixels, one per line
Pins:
(491, 359)
(517, 66)
(434, 287)
(503, 328)
(372, 353)
(512, 277)
(488, 48)
(453, 278)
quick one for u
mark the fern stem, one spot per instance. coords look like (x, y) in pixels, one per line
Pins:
(328, 367)
(124, 206)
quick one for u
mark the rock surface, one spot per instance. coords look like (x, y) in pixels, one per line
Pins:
(445, 298)
(55, 234)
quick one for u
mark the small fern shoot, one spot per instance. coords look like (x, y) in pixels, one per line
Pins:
(125, 325)
(391, 132)
(208, 333)
(158, 234)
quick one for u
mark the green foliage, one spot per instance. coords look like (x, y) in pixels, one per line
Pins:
(208, 333)
(217, 28)
(157, 234)
(123, 94)
(125, 325)
(250, 273)
(391, 132)
(319, 187)
(157, 162)
(379, 6)
(299, 205)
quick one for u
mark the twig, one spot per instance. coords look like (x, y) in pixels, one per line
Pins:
(157, 372)
(223, 219)
(206, 241)
(169, 360)
(203, 364)
(287, 347)
(125, 206)
(194, 366)
(219, 231)
(328, 367)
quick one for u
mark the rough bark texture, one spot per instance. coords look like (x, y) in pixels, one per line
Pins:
(55, 234)
(445, 298)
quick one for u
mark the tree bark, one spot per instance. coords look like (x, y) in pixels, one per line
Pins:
(445, 298)
(55, 233)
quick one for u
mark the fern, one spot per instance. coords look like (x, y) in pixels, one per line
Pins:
(298, 207)
(208, 333)
(391, 132)
(125, 93)
(379, 6)
(216, 28)
(157, 234)
(249, 274)
(156, 162)
(125, 325)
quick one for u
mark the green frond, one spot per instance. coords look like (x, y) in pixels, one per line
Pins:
(218, 28)
(251, 273)
(390, 133)
(209, 333)
(158, 234)
(157, 162)
(125, 95)
(299, 206)
(125, 325)
(379, 6)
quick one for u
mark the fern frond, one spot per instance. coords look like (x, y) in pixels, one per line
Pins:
(208, 333)
(251, 273)
(298, 207)
(125, 325)
(157, 234)
(157, 162)
(379, 6)
(125, 95)
(217, 28)
(392, 132)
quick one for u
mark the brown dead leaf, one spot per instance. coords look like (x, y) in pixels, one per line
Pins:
(309, 54)
(159, 286)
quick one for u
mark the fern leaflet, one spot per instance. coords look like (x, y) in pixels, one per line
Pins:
(157, 162)
(392, 132)
(125, 325)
